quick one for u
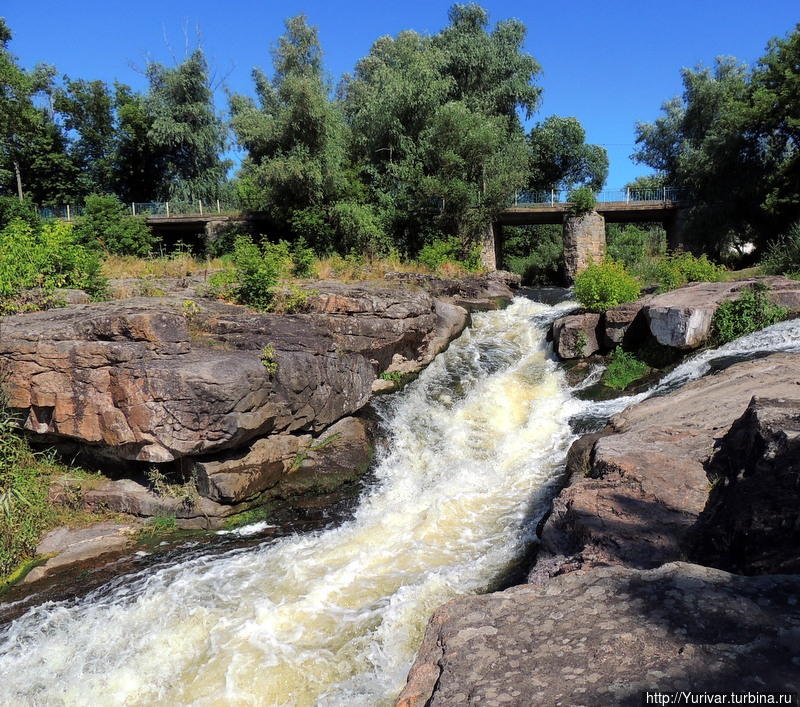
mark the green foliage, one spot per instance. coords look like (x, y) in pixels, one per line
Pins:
(257, 271)
(395, 377)
(581, 341)
(751, 311)
(47, 257)
(634, 246)
(11, 209)
(581, 201)
(623, 369)
(605, 285)
(302, 258)
(106, 223)
(783, 256)
(268, 359)
(223, 241)
(24, 482)
(679, 268)
(560, 157)
(536, 253)
(434, 255)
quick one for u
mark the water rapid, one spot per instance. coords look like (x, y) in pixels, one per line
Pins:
(334, 617)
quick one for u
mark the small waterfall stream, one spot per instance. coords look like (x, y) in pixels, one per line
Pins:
(334, 617)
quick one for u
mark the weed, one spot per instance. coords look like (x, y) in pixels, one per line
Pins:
(605, 285)
(268, 359)
(623, 369)
(581, 342)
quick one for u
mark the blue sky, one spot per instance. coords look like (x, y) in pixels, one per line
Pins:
(609, 63)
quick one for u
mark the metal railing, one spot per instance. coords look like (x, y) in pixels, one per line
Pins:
(163, 209)
(606, 196)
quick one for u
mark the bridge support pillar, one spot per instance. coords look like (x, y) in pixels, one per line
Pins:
(584, 242)
(492, 247)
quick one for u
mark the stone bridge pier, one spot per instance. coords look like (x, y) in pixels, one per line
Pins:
(584, 243)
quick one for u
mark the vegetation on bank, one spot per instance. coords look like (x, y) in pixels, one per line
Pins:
(749, 312)
(623, 369)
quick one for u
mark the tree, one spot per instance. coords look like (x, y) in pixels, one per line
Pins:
(33, 160)
(87, 110)
(561, 159)
(294, 136)
(186, 130)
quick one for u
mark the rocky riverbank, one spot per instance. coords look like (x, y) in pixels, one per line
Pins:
(200, 410)
(634, 588)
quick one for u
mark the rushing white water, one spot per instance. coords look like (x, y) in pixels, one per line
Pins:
(332, 617)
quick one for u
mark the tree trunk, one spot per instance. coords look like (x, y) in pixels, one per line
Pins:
(19, 181)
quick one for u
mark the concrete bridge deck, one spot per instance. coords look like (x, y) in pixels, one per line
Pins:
(612, 211)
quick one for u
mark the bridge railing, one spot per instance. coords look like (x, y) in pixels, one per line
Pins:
(606, 196)
(165, 209)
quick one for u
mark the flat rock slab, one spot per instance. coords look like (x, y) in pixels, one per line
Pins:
(682, 318)
(605, 637)
(71, 545)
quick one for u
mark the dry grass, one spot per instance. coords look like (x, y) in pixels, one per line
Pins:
(336, 267)
(179, 265)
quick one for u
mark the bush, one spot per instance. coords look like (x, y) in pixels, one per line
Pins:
(12, 209)
(750, 312)
(359, 228)
(47, 257)
(302, 258)
(605, 285)
(434, 255)
(257, 271)
(582, 200)
(223, 241)
(783, 256)
(623, 369)
(106, 224)
(632, 245)
(680, 268)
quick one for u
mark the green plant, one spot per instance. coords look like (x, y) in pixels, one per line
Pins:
(268, 359)
(302, 258)
(623, 369)
(47, 257)
(292, 299)
(436, 254)
(581, 341)
(391, 376)
(106, 223)
(161, 523)
(751, 311)
(679, 268)
(634, 245)
(782, 257)
(604, 285)
(581, 201)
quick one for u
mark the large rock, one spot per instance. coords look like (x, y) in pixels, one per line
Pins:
(576, 335)
(625, 323)
(150, 380)
(751, 524)
(605, 637)
(646, 481)
(682, 318)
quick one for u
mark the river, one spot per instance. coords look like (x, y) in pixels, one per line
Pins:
(334, 617)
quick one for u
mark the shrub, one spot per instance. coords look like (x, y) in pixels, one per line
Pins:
(47, 257)
(535, 253)
(359, 228)
(105, 223)
(750, 312)
(623, 369)
(434, 255)
(680, 268)
(12, 209)
(302, 258)
(783, 256)
(257, 272)
(633, 245)
(223, 241)
(605, 285)
(582, 200)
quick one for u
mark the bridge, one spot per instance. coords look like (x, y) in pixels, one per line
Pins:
(584, 235)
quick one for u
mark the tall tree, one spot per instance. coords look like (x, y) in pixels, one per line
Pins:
(294, 135)
(561, 158)
(186, 130)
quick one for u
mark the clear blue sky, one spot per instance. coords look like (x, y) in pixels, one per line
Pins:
(610, 63)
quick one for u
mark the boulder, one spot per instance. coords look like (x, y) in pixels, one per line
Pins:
(150, 380)
(70, 545)
(625, 323)
(576, 335)
(605, 637)
(645, 484)
(751, 524)
(682, 318)
(248, 472)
